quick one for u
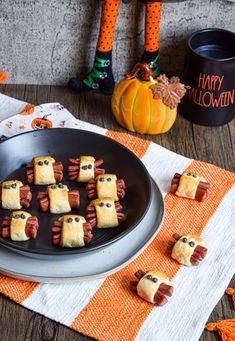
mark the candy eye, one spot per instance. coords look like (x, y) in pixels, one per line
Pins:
(17, 216)
(22, 216)
(6, 187)
(13, 185)
(89, 166)
(60, 185)
(70, 220)
(184, 240)
(77, 220)
(154, 279)
(53, 187)
(101, 179)
(188, 174)
(109, 179)
(194, 175)
(40, 163)
(191, 244)
(84, 167)
(101, 204)
(46, 162)
(149, 277)
(108, 205)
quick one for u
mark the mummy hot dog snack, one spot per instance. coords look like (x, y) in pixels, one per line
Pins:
(71, 231)
(153, 286)
(190, 185)
(188, 249)
(106, 186)
(58, 199)
(44, 170)
(14, 195)
(105, 213)
(20, 226)
(84, 168)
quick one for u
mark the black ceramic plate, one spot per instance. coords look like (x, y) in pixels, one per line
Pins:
(61, 143)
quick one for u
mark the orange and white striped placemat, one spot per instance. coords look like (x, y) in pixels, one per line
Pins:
(106, 309)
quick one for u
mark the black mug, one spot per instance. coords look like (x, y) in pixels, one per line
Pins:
(209, 69)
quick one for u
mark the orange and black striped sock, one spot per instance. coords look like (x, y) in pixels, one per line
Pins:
(152, 27)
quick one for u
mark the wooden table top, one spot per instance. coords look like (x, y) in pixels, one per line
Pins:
(210, 144)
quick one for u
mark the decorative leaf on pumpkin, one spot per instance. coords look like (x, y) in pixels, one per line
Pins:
(169, 91)
(231, 291)
(225, 328)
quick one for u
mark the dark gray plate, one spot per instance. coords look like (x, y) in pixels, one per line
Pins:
(61, 143)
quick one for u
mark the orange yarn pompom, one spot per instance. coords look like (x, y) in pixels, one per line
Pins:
(3, 76)
(225, 328)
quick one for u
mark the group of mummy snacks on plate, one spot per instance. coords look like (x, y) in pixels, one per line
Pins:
(189, 249)
(70, 230)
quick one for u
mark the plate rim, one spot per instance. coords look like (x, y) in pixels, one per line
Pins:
(96, 247)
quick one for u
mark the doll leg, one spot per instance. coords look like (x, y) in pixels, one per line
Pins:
(101, 76)
(152, 26)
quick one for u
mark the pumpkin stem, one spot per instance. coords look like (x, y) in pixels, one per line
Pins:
(141, 71)
(45, 117)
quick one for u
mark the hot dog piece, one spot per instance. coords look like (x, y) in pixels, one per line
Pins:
(105, 213)
(44, 170)
(58, 199)
(190, 185)
(14, 195)
(71, 231)
(21, 226)
(153, 286)
(188, 249)
(84, 168)
(106, 186)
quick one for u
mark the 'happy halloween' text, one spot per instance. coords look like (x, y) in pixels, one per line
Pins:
(209, 98)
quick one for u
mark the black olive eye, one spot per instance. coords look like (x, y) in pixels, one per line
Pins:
(70, 220)
(188, 174)
(46, 162)
(89, 166)
(84, 167)
(101, 179)
(77, 220)
(191, 244)
(108, 205)
(13, 185)
(149, 277)
(60, 185)
(184, 240)
(154, 279)
(101, 204)
(22, 216)
(40, 163)
(109, 179)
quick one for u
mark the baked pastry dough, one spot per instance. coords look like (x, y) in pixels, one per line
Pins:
(72, 234)
(59, 198)
(11, 194)
(105, 212)
(43, 170)
(149, 284)
(18, 224)
(184, 248)
(106, 186)
(188, 185)
(87, 168)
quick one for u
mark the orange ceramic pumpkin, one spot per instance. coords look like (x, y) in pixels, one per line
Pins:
(134, 107)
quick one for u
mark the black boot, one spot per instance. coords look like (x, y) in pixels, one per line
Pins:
(152, 58)
(100, 77)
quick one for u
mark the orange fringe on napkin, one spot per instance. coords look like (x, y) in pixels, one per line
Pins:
(231, 291)
(225, 328)
(3, 76)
